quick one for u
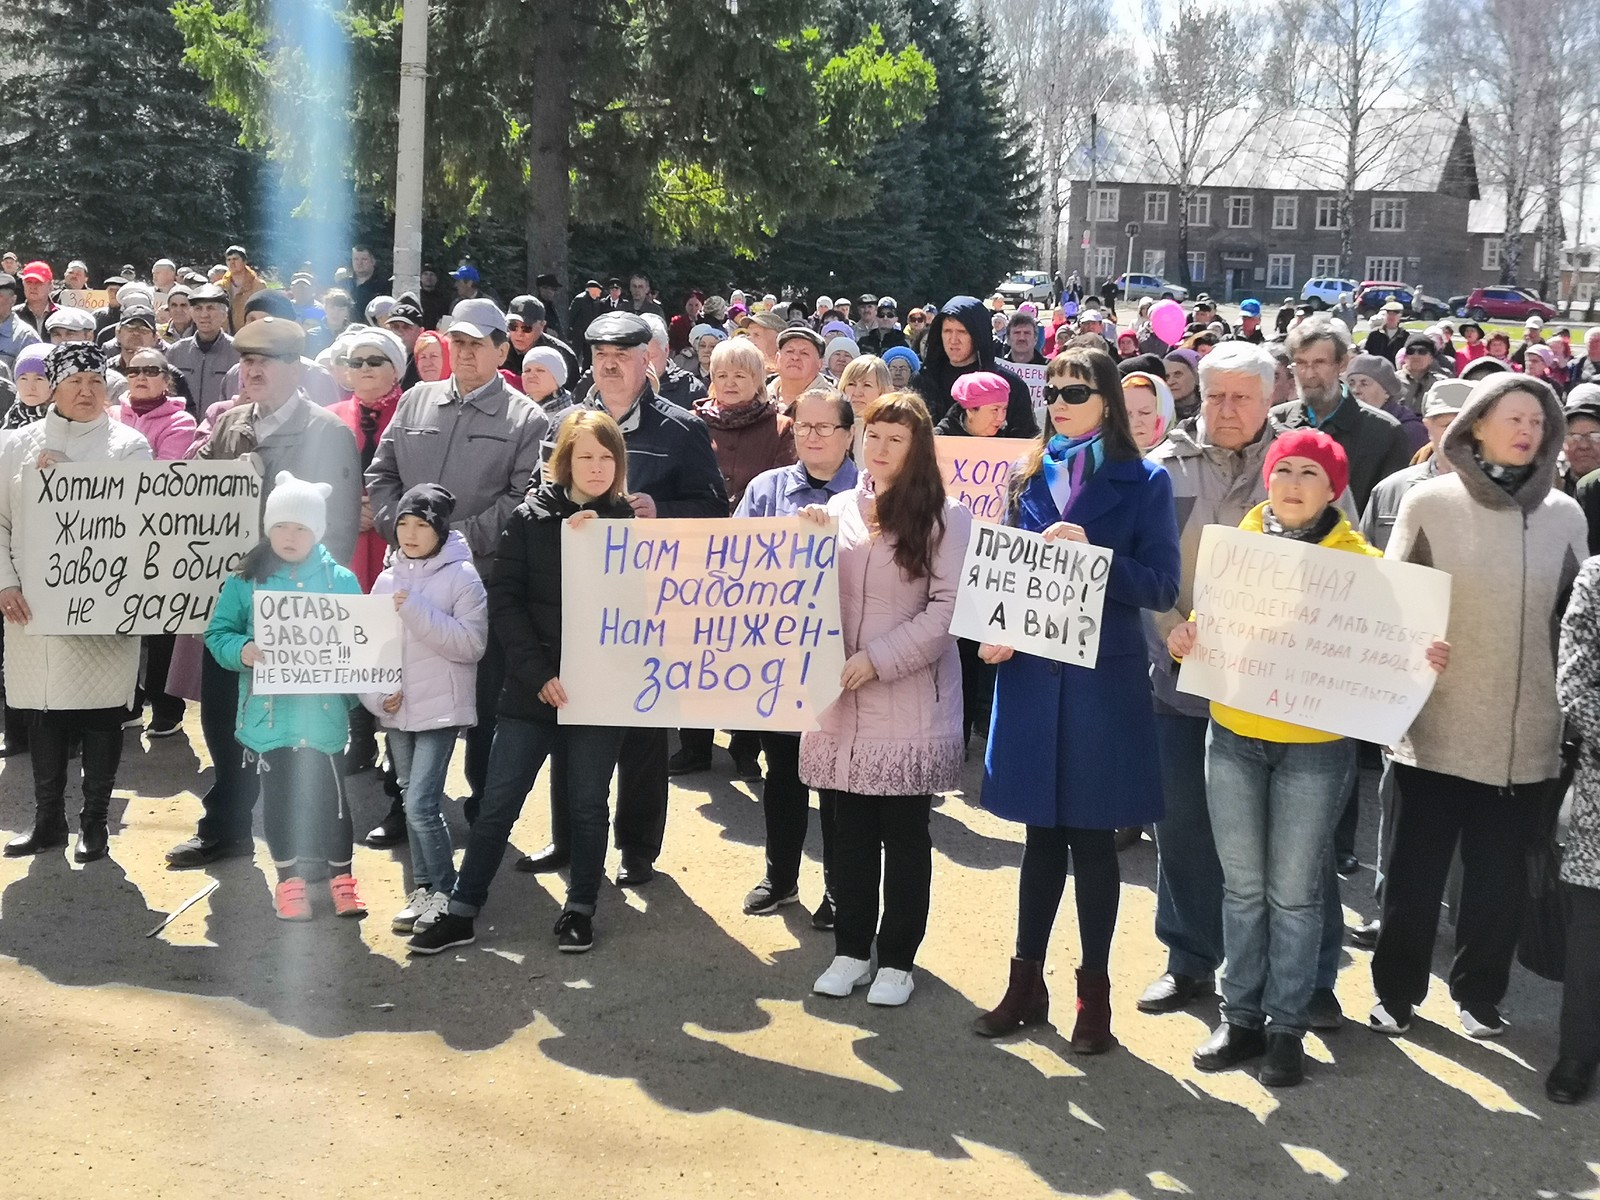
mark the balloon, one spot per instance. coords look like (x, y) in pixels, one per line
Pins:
(1167, 321)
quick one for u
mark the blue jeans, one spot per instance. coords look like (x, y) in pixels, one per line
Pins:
(1188, 876)
(421, 761)
(1274, 806)
(515, 757)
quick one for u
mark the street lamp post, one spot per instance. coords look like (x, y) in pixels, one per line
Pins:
(410, 157)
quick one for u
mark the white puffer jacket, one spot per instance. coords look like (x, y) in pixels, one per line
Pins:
(43, 671)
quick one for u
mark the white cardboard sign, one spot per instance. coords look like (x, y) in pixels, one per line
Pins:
(325, 642)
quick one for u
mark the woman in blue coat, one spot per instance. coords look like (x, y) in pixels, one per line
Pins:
(1072, 751)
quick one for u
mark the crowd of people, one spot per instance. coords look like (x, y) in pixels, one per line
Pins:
(433, 449)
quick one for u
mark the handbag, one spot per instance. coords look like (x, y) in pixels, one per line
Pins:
(1542, 940)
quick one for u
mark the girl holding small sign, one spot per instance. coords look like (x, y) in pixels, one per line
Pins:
(295, 740)
(1072, 751)
(1275, 791)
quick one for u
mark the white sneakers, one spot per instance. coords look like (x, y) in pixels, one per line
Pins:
(416, 904)
(438, 903)
(843, 976)
(1484, 1024)
(890, 989)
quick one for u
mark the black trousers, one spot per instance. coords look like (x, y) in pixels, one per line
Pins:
(1580, 994)
(881, 839)
(51, 745)
(164, 708)
(1097, 879)
(491, 681)
(1493, 827)
(16, 726)
(231, 799)
(699, 743)
(304, 813)
(977, 689)
(640, 819)
(786, 805)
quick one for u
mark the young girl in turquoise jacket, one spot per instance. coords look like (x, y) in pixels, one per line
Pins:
(294, 740)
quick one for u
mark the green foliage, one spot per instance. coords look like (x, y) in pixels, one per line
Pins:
(111, 152)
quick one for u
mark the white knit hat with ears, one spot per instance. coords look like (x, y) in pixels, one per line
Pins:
(297, 501)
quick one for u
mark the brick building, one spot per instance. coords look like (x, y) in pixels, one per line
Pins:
(1266, 218)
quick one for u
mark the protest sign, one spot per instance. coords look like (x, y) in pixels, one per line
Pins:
(976, 471)
(1031, 374)
(132, 547)
(700, 624)
(313, 643)
(1040, 597)
(89, 298)
(1317, 637)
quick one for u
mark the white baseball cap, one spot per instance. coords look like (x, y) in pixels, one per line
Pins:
(477, 317)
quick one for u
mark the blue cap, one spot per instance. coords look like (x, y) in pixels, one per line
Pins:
(1250, 308)
(465, 272)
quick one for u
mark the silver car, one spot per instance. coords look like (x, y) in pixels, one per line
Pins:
(1136, 286)
(1027, 285)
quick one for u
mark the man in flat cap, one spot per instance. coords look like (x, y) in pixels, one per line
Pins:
(585, 307)
(672, 472)
(800, 350)
(478, 437)
(205, 357)
(763, 328)
(527, 325)
(281, 430)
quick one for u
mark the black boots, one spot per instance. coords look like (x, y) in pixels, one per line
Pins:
(102, 752)
(49, 831)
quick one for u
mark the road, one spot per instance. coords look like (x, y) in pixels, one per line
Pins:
(685, 1056)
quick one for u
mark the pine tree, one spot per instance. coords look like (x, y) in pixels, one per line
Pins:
(111, 152)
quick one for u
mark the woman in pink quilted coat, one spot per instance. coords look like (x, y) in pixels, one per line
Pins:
(893, 737)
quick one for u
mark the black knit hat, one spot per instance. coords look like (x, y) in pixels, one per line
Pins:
(433, 504)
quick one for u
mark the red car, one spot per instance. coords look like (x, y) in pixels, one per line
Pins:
(1507, 304)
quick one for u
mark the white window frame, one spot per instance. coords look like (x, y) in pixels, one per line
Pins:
(1197, 266)
(1324, 266)
(1155, 263)
(1327, 212)
(1492, 247)
(1200, 209)
(1388, 215)
(1248, 203)
(1286, 212)
(1155, 207)
(1385, 268)
(1104, 205)
(1105, 262)
(1280, 272)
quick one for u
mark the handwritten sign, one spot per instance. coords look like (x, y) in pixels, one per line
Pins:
(977, 470)
(89, 298)
(324, 643)
(133, 548)
(1316, 637)
(1040, 597)
(1031, 374)
(700, 624)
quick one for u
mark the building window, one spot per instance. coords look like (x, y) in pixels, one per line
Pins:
(1280, 271)
(1200, 208)
(1197, 266)
(1388, 216)
(1385, 268)
(1241, 212)
(1155, 262)
(1323, 265)
(1105, 262)
(1491, 253)
(1103, 204)
(1286, 212)
(1327, 212)
(1155, 208)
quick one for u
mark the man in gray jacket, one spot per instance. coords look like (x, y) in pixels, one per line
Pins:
(205, 357)
(1214, 460)
(476, 436)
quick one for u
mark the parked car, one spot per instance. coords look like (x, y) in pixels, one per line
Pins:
(1375, 293)
(1136, 286)
(1324, 292)
(1027, 285)
(1506, 304)
(1457, 306)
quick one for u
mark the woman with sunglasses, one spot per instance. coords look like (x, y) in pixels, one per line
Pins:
(1072, 751)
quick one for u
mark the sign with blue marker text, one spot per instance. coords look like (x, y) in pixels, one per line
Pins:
(700, 623)
(325, 643)
(1316, 637)
(977, 471)
(1042, 598)
(131, 548)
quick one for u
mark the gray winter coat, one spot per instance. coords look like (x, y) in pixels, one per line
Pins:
(1493, 716)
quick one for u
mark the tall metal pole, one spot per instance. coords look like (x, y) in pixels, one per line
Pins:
(1088, 200)
(410, 163)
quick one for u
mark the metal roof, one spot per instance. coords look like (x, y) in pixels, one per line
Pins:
(1299, 150)
(1487, 214)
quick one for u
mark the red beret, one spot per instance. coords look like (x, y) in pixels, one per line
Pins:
(1318, 447)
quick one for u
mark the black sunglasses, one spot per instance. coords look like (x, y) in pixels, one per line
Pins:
(152, 372)
(375, 361)
(1072, 393)
(515, 326)
(1419, 349)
